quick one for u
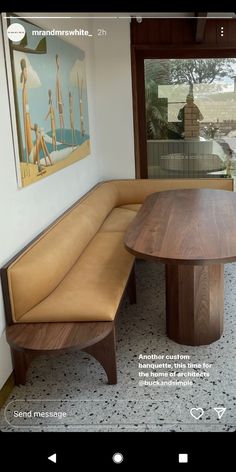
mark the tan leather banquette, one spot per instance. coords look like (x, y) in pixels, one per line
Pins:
(64, 289)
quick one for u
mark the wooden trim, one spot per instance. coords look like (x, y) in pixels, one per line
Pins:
(140, 138)
(7, 389)
(200, 27)
(176, 31)
(135, 113)
(6, 295)
(184, 51)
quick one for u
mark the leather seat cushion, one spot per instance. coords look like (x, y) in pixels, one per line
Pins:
(118, 220)
(135, 207)
(92, 289)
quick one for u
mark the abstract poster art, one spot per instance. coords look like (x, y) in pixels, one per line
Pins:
(48, 97)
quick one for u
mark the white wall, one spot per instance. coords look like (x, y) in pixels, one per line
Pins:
(25, 212)
(114, 112)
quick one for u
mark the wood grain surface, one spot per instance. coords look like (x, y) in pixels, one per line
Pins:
(192, 226)
(54, 336)
(28, 340)
(194, 303)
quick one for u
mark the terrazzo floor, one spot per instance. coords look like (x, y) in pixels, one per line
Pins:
(74, 384)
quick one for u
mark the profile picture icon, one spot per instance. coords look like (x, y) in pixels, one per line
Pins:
(16, 32)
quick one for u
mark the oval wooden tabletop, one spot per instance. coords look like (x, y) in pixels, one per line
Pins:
(193, 226)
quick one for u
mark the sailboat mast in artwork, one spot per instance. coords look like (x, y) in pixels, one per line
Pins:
(80, 92)
(60, 100)
(51, 113)
(72, 120)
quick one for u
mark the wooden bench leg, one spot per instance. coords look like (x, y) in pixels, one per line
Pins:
(21, 361)
(131, 287)
(105, 353)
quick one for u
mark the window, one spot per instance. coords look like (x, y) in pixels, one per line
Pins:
(190, 117)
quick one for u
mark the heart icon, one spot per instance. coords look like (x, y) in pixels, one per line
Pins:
(196, 413)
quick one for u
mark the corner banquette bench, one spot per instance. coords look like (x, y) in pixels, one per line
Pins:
(63, 290)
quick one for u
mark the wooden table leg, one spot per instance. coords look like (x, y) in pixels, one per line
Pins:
(194, 303)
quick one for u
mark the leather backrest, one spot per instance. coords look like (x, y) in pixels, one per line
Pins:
(135, 191)
(36, 272)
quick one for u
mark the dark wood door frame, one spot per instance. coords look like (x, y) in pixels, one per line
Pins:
(156, 50)
(139, 113)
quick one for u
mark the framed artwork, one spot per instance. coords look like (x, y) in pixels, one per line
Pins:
(48, 100)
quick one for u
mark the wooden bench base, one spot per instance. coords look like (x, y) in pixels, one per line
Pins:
(97, 338)
(28, 340)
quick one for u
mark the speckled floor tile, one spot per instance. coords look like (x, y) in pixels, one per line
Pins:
(180, 428)
(75, 383)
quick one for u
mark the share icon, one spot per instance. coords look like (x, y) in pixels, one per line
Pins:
(220, 411)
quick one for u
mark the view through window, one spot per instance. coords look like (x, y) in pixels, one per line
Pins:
(190, 117)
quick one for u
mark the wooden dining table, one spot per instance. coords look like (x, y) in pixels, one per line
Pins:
(192, 232)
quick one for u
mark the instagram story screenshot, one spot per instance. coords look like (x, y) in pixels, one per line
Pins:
(118, 238)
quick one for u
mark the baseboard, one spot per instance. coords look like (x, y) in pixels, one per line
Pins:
(7, 389)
